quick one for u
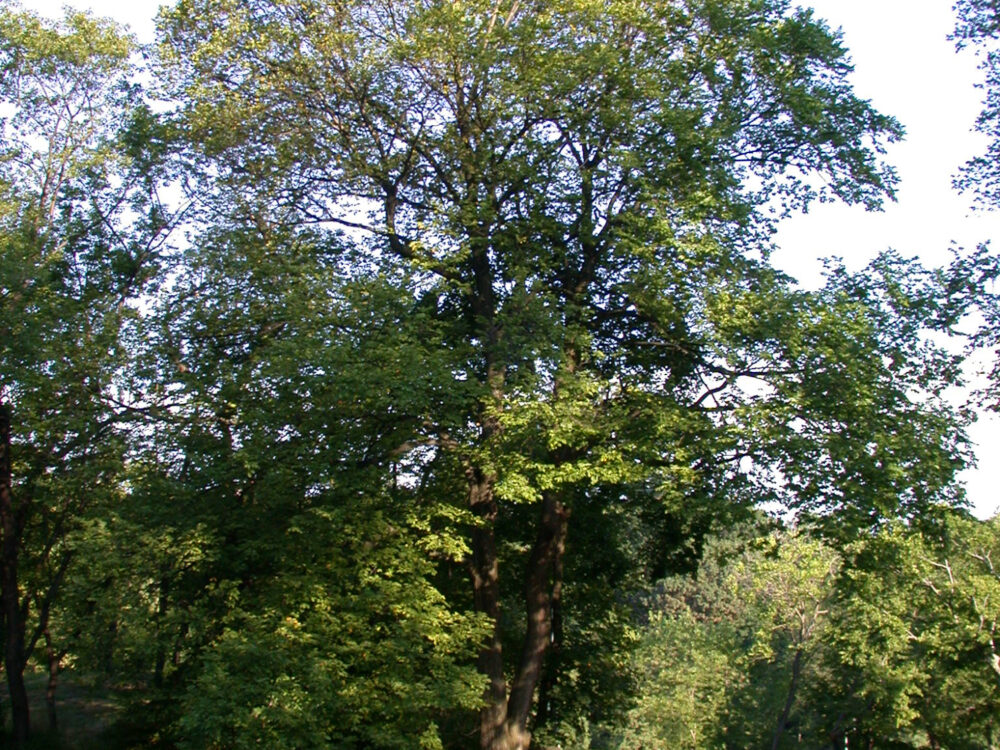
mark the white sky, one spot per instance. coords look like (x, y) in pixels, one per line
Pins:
(907, 67)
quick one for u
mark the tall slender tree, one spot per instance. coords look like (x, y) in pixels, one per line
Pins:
(80, 234)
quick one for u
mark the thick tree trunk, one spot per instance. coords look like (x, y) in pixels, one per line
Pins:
(538, 595)
(554, 657)
(486, 594)
(12, 616)
(503, 723)
(482, 503)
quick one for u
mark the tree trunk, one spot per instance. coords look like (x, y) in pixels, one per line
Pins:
(503, 721)
(54, 659)
(779, 730)
(486, 595)
(182, 633)
(538, 594)
(552, 662)
(12, 616)
(160, 660)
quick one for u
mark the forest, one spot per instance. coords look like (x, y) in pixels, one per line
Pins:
(413, 374)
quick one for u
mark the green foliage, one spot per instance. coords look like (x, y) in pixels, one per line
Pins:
(851, 443)
(978, 26)
(915, 628)
(64, 268)
(725, 655)
(778, 641)
(347, 646)
(81, 236)
(467, 287)
(283, 546)
(687, 678)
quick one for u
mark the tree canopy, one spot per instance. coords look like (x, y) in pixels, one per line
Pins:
(583, 195)
(471, 339)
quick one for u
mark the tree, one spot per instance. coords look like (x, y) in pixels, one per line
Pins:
(581, 194)
(283, 581)
(779, 641)
(80, 234)
(729, 656)
(914, 634)
(978, 26)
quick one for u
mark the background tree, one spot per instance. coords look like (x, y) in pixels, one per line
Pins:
(729, 657)
(81, 230)
(914, 635)
(777, 641)
(978, 27)
(580, 195)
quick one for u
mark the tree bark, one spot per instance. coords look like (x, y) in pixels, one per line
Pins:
(54, 659)
(538, 595)
(160, 659)
(779, 730)
(486, 596)
(482, 500)
(12, 615)
(553, 658)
